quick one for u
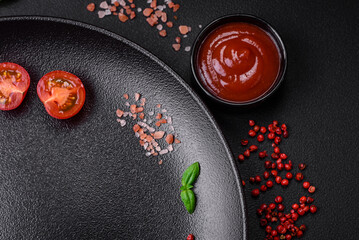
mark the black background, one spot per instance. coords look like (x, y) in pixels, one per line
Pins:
(318, 99)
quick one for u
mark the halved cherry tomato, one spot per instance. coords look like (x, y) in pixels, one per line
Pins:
(62, 94)
(14, 83)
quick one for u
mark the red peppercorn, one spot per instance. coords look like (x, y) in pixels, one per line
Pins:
(303, 227)
(278, 131)
(283, 156)
(306, 185)
(258, 179)
(259, 212)
(274, 165)
(252, 180)
(274, 233)
(190, 237)
(301, 166)
(288, 237)
(244, 142)
(271, 136)
(303, 199)
(252, 133)
(311, 189)
(295, 216)
(263, 188)
(247, 153)
(256, 128)
(269, 184)
(277, 140)
(313, 209)
(283, 219)
(243, 183)
(268, 217)
(281, 229)
(306, 208)
(274, 173)
(310, 200)
(260, 138)
(268, 164)
(279, 160)
(241, 157)
(277, 150)
(301, 211)
(287, 167)
(278, 179)
(280, 207)
(283, 127)
(280, 166)
(268, 229)
(289, 175)
(284, 182)
(274, 156)
(300, 234)
(299, 177)
(263, 130)
(285, 134)
(271, 206)
(275, 123)
(251, 123)
(263, 206)
(295, 206)
(266, 175)
(263, 222)
(274, 145)
(255, 192)
(253, 148)
(262, 154)
(278, 199)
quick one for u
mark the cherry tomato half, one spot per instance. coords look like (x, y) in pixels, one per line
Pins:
(62, 94)
(14, 83)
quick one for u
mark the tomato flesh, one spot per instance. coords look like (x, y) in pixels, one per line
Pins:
(14, 83)
(62, 94)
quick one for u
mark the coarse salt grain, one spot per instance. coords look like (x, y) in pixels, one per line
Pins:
(170, 148)
(137, 96)
(187, 49)
(163, 151)
(104, 5)
(137, 135)
(107, 12)
(148, 154)
(101, 14)
(159, 27)
(139, 9)
(127, 104)
(122, 3)
(151, 113)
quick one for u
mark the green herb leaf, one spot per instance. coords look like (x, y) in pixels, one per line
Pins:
(189, 200)
(190, 175)
(186, 187)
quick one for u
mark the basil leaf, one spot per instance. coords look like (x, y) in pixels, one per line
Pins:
(186, 187)
(189, 200)
(191, 174)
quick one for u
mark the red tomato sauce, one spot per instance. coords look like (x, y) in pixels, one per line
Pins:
(238, 62)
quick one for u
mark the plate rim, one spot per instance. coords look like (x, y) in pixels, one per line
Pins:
(153, 57)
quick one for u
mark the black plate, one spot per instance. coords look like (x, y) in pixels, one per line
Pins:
(86, 177)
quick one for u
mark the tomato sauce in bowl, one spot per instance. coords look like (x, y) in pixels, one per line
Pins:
(238, 61)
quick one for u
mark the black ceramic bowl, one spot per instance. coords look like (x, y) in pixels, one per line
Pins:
(247, 19)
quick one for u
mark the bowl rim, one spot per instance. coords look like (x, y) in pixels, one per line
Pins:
(241, 17)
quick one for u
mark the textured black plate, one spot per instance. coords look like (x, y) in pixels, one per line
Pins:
(86, 177)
